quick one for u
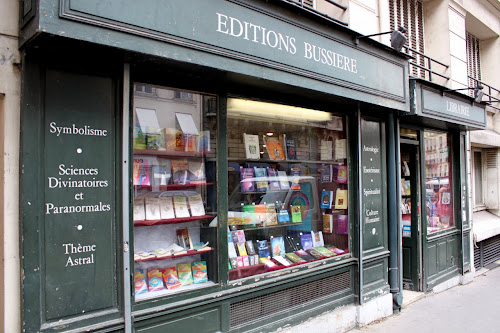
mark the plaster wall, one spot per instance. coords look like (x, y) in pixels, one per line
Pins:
(10, 75)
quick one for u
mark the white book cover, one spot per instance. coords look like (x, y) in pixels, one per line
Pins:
(181, 207)
(317, 238)
(252, 149)
(152, 208)
(166, 208)
(139, 212)
(196, 205)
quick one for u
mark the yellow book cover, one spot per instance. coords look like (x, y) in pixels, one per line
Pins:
(341, 199)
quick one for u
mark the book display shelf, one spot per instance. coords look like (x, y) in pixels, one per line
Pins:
(287, 187)
(174, 199)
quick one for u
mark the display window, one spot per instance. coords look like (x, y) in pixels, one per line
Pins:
(438, 181)
(287, 187)
(174, 196)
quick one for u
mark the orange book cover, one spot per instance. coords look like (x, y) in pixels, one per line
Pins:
(274, 148)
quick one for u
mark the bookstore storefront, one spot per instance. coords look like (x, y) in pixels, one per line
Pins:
(433, 182)
(225, 174)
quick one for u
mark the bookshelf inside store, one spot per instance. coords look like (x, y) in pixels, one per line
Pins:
(287, 187)
(174, 195)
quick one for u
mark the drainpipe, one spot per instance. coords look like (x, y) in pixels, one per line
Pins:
(393, 195)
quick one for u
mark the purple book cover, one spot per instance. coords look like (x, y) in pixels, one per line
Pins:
(247, 184)
(274, 184)
(342, 224)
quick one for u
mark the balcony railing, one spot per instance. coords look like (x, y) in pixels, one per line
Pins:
(426, 66)
(491, 95)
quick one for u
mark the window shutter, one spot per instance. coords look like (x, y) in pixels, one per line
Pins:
(473, 60)
(491, 199)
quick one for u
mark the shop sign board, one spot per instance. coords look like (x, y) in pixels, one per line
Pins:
(79, 265)
(247, 32)
(373, 186)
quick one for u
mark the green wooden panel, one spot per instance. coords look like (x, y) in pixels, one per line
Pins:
(407, 263)
(374, 272)
(79, 199)
(207, 321)
(431, 260)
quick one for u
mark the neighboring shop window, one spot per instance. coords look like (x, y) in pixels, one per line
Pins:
(287, 186)
(478, 178)
(438, 181)
(174, 191)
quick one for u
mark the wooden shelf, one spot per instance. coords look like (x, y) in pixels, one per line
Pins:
(189, 253)
(279, 225)
(172, 187)
(172, 154)
(145, 223)
(242, 160)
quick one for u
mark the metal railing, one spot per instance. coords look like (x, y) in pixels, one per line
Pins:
(427, 66)
(490, 94)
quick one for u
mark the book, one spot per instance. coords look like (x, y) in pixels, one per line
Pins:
(139, 209)
(292, 242)
(138, 138)
(250, 248)
(291, 149)
(326, 199)
(231, 250)
(233, 261)
(274, 148)
(266, 261)
(304, 255)
(342, 224)
(204, 141)
(180, 172)
(274, 183)
(241, 236)
(170, 278)
(185, 274)
(261, 184)
(271, 217)
(326, 150)
(263, 249)
(155, 280)
(326, 172)
(142, 172)
(342, 174)
(181, 206)
(152, 208)
(306, 241)
(199, 271)
(196, 172)
(252, 149)
(282, 261)
(317, 238)
(170, 135)
(239, 262)
(295, 174)
(278, 246)
(324, 251)
(251, 259)
(296, 214)
(327, 223)
(247, 175)
(246, 261)
(196, 205)
(166, 208)
(161, 172)
(140, 283)
(234, 236)
(260, 213)
(283, 216)
(242, 250)
(294, 257)
(341, 199)
(184, 238)
(248, 215)
(315, 253)
(340, 149)
(283, 180)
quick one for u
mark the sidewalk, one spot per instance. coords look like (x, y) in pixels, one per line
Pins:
(470, 308)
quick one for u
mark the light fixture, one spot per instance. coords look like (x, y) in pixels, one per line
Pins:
(398, 40)
(247, 108)
(478, 92)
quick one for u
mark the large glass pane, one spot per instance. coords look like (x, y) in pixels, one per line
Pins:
(438, 181)
(174, 191)
(287, 187)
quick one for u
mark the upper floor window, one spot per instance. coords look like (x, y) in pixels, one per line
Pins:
(145, 89)
(473, 60)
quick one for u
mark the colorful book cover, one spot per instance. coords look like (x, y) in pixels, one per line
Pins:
(261, 184)
(274, 148)
(250, 248)
(231, 250)
(304, 255)
(248, 214)
(233, 261)
(294, 257)
(295, 173)
(247, 175)
(183, 238)
(274, 183)
(283, 180)
(144, 173)
(317, 238)
(326, 199)
(166, 208)
(260, 213)
(342, 224)
(152, 208)
(139, 138)
(246, 261)
(241, 236)
(155, 280)
(327, 223)
(169, 134)
(266, 261)
(341, 199)
(283, 216)
(185, 274)
(239, 261)
(180, 172)
(342, 174)
(263, 249)
(196, 205)
(180, 206)
(251, 259)
(282, 261)
(136, 170)
(306, 241)
(324, 251)
(291, 149)
(199, 269)
(315, 253)
(242, 250)
(170, 278)
(139, 209)
(296, 214)
(252, 149)
(204, 141)
(278, 246)
(271, 217)
(140, 281)
(234, 236)
(326, 172)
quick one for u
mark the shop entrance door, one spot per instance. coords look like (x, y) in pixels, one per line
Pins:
(410, 214)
